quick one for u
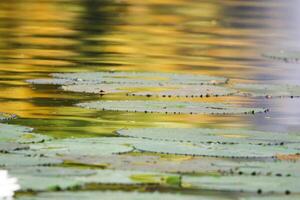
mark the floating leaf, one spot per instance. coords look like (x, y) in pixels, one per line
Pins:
(205, 135)
(273, 197)
(98, 88)
(169, 107)
(53, 171)
(6, 147)
(107, 82)
(269, 90)
(18, 160)
(285, 56)
(257, 184)
(182, 164)
(115, 195)
(215, 150)
(54, 81)
(46, 178)
(277, 168)
(20, 134)
(189, 91)
(79, 146)
(6, 116)
(141, 78)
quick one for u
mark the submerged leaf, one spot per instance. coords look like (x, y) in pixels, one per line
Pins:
(169, 107)
(269, 90)
(205, 135)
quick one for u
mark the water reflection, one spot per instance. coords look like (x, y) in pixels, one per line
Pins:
(212, 37)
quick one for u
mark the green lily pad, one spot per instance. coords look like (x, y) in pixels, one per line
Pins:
(6, 116)
(141, 78)
(20, 134)
(189, 91)
(46, 178)
(256, 184)
(215, 150)
(269, 90)
(53, 171)
(285, 56)
(79, 146)
(18, 160)
(114, 82)
(277, 168)
(182, 164)
(205, 135)
(169, 107)
(115, 195)
(6, 147)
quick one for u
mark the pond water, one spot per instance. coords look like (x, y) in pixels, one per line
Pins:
(213, 37)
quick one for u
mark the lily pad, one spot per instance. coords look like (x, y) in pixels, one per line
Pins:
(101, 88)
(272, 197)
(269, 90)
(277, 168)
(53, 81)
(190, 91)
(257, 184)
(79, 146)
(6, 147)
(53, 171)
(18, 160)
(114, 82)
(205, 135)
(46, 178)
(285, 56)
(214, 150)
(115, 195)
(6, 116)
(20, 134)
(171, 164)
(169, 107)
(141, 78)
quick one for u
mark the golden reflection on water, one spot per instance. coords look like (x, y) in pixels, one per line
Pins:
(215, 37)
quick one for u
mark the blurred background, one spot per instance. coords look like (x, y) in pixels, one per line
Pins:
(213, 37)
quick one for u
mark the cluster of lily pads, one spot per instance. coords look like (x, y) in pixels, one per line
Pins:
(249, 163)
